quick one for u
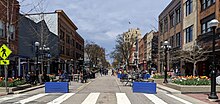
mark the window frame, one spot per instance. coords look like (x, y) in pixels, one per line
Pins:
(178, 15)
(189, 7)
(2, 29)
(189, 34)
(206, 4)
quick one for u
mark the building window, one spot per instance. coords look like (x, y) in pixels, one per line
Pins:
(12, 32)
(62, 50)
(205, 27)
(68, 39)
(189, 34)
(161, 27)
(62, 35)
(2, 29)
(206, 3)
(172, 20)
(189, 7)
(73, 42)
(178, 40)
(205, 23)
(67, 52)
(172, 41)
(178, 15)
(165, 24)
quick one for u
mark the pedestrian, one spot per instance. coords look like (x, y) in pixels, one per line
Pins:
(177, 71)
(113, 72)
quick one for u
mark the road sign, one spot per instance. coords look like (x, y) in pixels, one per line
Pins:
(4, 52)
(4, 62)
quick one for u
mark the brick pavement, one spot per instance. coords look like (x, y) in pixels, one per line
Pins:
(204, 97)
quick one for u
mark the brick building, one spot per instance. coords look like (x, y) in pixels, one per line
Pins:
(190, 23)
(12, 20)
(70, 43)
(170, 29)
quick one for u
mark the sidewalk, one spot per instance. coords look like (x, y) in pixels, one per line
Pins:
(199, 96)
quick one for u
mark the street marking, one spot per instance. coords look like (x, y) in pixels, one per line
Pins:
(10, 97)
(81, 87)
(91, 98)
(155, 99)
(62, 98)
(122, 98)
(30, 99)
(179, 99)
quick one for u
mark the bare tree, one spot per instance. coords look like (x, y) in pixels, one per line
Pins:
(195, 55)
(95, 53)
(123, 49)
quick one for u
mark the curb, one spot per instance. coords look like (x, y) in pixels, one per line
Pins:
(28, 89)
(169, 90)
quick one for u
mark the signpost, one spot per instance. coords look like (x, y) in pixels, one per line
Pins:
(4, 53)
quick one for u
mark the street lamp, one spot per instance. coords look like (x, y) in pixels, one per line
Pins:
(45, 53)
(37, 44)
(213, 24)
(166, 48)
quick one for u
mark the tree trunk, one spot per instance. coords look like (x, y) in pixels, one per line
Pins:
(194, 69)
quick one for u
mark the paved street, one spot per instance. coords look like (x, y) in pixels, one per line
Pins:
(102, 90)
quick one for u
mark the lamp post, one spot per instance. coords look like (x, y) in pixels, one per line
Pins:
(37, 44)
(45, 52)
(166, 47)
(213, 96)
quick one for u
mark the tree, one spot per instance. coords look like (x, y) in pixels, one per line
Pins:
(95, 53)
(123, 49)
(195, 55)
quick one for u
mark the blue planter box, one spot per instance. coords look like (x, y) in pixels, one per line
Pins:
(56, 87)
(144, 87)
(119, 76)
(146, 76)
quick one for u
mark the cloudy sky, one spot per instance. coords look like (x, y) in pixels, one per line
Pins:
(101, 21)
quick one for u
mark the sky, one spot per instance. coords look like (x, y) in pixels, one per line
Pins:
(100, 21)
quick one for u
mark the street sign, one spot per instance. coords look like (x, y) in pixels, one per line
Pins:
(4, 52)
(4, 62)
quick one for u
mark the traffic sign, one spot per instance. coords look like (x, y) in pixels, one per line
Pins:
(4, 62)
(4, 52)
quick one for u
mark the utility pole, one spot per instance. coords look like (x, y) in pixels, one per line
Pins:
(8, 37)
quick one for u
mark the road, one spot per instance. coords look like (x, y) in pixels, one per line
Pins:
(102, 90)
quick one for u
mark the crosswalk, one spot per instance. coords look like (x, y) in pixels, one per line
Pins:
(90, 98)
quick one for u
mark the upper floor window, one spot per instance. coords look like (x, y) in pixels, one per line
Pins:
(205, 23)
(189, 7)
(68, 39)
(205, 27)
(206, 3)
(172, 21)
(178, 15)
(178, 40)
(172, 41)
(161, 27)
(62, 35)
(165, 25)
(2, 29)
(12, 32)
(189, 34)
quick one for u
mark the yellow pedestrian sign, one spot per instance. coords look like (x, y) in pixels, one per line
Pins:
(4, 62)
(4, 52)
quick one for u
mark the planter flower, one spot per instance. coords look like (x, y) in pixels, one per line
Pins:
(191, 80)
(12, 82)
(160, 76)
